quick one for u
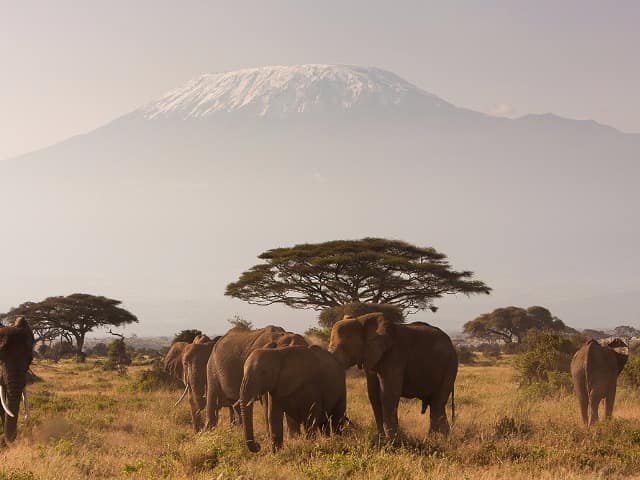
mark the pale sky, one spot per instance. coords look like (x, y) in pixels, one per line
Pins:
(67, 67)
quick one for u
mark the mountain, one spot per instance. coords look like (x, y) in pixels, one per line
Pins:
(165, 205)
(282, 91)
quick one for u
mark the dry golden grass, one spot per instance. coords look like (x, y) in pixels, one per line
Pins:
(87, 423)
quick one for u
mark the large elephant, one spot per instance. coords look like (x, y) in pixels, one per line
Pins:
(194, 365)
(414, 360)
(305, 383)
(16, 354)
(172, 361)
(225, 365)
(595, 369)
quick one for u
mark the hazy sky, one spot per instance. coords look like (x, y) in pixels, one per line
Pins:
(67, 67)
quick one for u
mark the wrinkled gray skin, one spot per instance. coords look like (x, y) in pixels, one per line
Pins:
(16, 354)
(225, 366)
(414, 360)
(305, 383)
(595, 371)
(194, 365)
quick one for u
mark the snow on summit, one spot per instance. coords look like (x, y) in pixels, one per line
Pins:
(284, 90)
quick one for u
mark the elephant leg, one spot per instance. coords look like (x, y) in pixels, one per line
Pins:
(337, 416)
(609, 400)
(265, 407)
(390, 391)
(438, 418)
(594, 403)
(438, 421)
(212, 407)
(314, 420)
(583, 398)
(373, 390)
(275, 424)
(293, 426)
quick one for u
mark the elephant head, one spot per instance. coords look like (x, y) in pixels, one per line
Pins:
(621, 351)
(261, 373)
(361, 340)
(16, 354)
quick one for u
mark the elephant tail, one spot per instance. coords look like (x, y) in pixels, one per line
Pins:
(453, 404)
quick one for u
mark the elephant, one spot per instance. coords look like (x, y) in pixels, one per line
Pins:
(414, 360)
(172, 361)
(225, 366)
(194, 365)
(16, 355)
(595, 369)
(202, 339)
(305, 383)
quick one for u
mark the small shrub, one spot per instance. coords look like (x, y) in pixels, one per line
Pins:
(491, 350)
(322, 334)
(511, 348)
(509, 426)
(242, 323)
(630, 376)
(118, 357)
(544, 365)
(465, 355)
(155, 378)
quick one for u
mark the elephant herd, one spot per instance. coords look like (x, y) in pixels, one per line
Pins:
(305, 385)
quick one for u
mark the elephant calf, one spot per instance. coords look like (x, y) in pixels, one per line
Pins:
(595, 371)
(305, 383)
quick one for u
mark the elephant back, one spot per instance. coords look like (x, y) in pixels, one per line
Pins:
(232, 350)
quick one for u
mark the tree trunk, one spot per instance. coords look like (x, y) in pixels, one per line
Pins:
(79, 337)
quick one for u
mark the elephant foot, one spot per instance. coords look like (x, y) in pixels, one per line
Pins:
(253, 446)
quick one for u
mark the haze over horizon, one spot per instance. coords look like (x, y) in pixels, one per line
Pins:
(144, 208)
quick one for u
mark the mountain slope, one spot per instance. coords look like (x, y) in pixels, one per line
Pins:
(167, 204)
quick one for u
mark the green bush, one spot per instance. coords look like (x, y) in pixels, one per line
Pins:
(321, 333)
(630, 376)
(465, 355)
(511, 348)
(155, 378)
(491, 350)
(544, 364)
(118, 357)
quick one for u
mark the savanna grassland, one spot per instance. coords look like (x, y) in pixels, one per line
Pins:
(89, 423)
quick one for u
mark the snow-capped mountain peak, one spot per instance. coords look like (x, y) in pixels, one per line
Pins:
(285, 90)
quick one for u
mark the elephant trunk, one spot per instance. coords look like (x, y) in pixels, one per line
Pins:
(11, 399)
(246, 411)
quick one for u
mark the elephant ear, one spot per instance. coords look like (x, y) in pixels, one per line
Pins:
(379, 334)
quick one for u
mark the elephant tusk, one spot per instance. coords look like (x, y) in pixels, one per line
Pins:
(186, 389)
(27, 409)
(4, 402)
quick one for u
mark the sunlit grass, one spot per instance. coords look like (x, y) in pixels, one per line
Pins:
(88, 423)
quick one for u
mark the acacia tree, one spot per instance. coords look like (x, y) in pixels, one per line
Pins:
(370, 270)
(512, 323)
(73, 316)
(186, 335)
